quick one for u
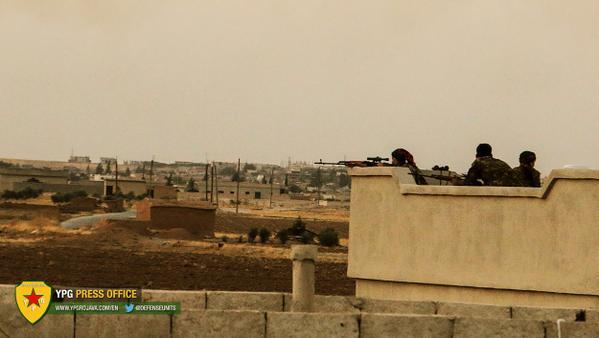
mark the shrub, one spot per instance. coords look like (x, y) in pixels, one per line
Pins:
(23, 194)
(141, 196)
(252, 234)
(225, 238)
(264, 235)
(328, 237)
(283, 236)
(307, 238)
(298, 228)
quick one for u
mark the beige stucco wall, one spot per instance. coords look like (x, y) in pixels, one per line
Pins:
(503, 238)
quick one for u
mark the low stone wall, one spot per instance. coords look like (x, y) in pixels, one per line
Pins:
(28, 211)
(248, 314)
(80, 204)
(92, 188)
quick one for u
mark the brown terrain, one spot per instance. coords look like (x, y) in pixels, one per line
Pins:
(128, 254)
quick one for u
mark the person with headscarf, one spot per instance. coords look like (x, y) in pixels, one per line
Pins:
(525, 173)
(403, 158)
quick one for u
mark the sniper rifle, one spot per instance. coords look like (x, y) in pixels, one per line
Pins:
(370, 162)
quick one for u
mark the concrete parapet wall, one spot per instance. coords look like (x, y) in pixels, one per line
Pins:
(479, 327)
(392, 325)
(505, 245)
(92, 326)
(474, 310)
(219, 323)
(259, 314)
(189, 300)
(571, 329)
(286, 324)
(263, 301)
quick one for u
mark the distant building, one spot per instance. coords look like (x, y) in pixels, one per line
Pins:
(228, 189)
(45, 180)
(139, 187)
(106, 160)
(10, 177)
(79, 159)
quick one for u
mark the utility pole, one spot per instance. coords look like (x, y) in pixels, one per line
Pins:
(206, 180)
(212, 184)
(272, 171)
(116, 174)
(238, 179)
(318, 184)
(151, 178)
(216, 183)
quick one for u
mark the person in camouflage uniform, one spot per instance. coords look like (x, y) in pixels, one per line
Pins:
(489, 171)
(525, 173)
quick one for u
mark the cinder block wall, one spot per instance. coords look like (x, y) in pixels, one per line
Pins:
(250, 314)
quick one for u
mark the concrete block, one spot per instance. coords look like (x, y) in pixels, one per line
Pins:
(303, 252)
(573, 329)
(474, 310)
(12, 323)
(298, 324)
(592, 315)
(219, 323)
(397, 325)
(392, 306)
(90, 326)
(190, 300)
(482, 327)
(339, 304)
(543, 314)
(258, 301)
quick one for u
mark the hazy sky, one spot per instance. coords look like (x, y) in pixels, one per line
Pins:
(309, 79)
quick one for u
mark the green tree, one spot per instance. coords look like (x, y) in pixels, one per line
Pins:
(295, 189)
(191, 185)
(99, 169)
(108, 169)
(249, 166)
(169, 179)
(127, 172)
(237, 178)
(227, 171)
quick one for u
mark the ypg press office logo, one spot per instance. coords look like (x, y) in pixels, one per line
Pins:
(33, 299)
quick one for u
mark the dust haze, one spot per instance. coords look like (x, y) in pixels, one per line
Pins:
(267, 80)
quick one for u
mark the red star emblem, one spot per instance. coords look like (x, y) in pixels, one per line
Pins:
(32, 298)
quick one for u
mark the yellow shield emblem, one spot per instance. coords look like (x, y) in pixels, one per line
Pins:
(33, 299)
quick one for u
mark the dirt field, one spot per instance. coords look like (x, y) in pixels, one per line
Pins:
(241, 223)
(126, 254)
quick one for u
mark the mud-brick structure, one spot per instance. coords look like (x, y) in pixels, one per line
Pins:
(493, 245)
(198, 220)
